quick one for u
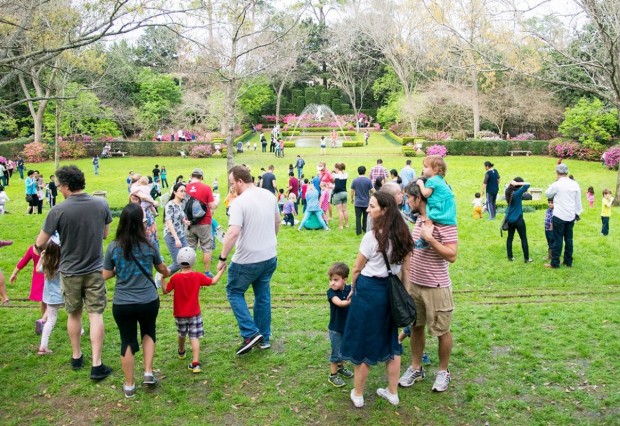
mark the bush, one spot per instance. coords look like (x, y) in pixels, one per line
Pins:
(570, 149)
(527, 136)
(201, 151)
(393, 137)
(351, 144)
(432, 135)
(493, 148)
(289, 144)
(71, 149)
(13, 148)
(409, 151)
(440, 150)
(35, 152)
(612, 157)
(487, 134)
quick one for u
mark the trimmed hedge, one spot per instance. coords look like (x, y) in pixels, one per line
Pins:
(541, 204)
(351, 144)
(412, 139)
(393, 137)
(490, 147)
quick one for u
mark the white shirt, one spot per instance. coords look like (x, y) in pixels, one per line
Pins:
(375, 265)
(566, 196)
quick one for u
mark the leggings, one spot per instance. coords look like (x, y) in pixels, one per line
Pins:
(52, 317)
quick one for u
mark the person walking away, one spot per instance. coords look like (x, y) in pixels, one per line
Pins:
(514, 217)
(187, 316)
(490, 187)
(53, 191)
(96, 164)
(82, 222)
(567, 207)
(361, 188)
(339, 197)
(608, 200)
(339, 301)
(254, 216)
(477, 203)
(299, 165)
(52, 296)
(37, 282)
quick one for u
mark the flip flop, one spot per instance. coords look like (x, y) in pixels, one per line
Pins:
(44, 352)
(6, 302)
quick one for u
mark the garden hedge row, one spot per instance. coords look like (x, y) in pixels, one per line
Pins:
(493, 148)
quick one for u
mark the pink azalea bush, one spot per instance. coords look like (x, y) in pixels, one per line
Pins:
(435, 135)
(562, 148)
(612, 157)
(440, 150)
(35, 152)
(527, 136)
(72, 149)
(201, 151)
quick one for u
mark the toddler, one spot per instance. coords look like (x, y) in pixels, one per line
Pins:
(440, 207)
(281, 199)
(186, 313)
(52, 296)
(143, 187)
(549, 227)
(216, 185)
(590, 196)
(338, 297)
(324, 200)
(289, 210)
(606, 211)
(3, 200)
(232, 194)
(477, 203)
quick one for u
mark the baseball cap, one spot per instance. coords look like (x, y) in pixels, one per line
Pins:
(186, 256)
(198, 172)
(561, 169)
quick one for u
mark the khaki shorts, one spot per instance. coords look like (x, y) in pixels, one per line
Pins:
(339, 198)
(434, 307)
(84, 290)
(200, 234)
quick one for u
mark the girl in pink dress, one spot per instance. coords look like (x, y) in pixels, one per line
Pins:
(36, 286)
(324, 201)
(590, 196)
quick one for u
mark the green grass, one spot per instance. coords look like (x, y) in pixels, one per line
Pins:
(532, 346)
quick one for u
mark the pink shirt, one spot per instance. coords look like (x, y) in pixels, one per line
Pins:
(36, 288)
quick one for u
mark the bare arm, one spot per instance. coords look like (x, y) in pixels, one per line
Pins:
(360, 262)
(427, 192)
(445, 251)
(42, 239)
(232, 234)
(339, 302)
(106, 231)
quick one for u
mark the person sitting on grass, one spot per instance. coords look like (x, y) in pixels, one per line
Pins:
(339, 301)
(186, 312)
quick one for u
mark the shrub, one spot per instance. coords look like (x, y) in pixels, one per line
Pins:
(289, 144)
(35, 152)
(487, 134)
(527, 136)
(201, 151)
(72, 149)
(393, 137)
(432, 135)
(612, 157)
(440, 150)
(350, 144)
(409, 151)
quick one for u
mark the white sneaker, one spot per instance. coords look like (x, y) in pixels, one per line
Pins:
(411, 376)
(158, 280)
(442, 380)
(358, 401)
(386, 394)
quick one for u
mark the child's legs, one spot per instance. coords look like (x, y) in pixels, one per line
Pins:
(181, 344)
(195, 342)
(43, 311)
(605, 225)
(335, 359)
(52, 317)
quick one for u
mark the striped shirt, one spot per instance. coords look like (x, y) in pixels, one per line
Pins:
(427, 268)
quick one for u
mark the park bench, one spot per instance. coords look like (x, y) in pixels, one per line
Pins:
(118, 153)
(527, 153)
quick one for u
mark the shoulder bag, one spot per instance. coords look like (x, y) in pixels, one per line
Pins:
(147, 275)
(401, 302)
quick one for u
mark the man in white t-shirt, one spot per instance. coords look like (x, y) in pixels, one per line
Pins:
(252, 228)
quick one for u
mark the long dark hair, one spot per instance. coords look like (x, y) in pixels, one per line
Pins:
(51, 260)
(130, 231)
(391, 228)
(511, 189)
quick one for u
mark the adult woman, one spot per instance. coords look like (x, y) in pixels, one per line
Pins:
(514, 217)
(31, 191)
(175, 221)
(490, 187)
(395, 178)
(163, 174)
(370, 335)
(130, 257)
(339, 198)
(312, 208)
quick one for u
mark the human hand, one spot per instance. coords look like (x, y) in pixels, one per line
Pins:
(221, 265)
(177, 243)
(426, 231)
(13, 278)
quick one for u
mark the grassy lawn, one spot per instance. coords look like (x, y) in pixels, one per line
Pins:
(531, 345)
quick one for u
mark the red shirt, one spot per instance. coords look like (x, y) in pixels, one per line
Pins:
(187, 286)
(202, 192)
(304, 188)
(293, 183)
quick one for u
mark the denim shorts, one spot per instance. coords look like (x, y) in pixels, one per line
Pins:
(335, 339)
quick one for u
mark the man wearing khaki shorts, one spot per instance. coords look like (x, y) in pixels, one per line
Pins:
(435, 247)
(82, 222)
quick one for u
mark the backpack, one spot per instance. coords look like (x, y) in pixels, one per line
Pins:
(195, 210)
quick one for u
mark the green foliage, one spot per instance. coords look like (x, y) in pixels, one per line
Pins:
(393, 137)
(389, 113)
(352, 144)
(387, 87)
(256, 99)
(590, 122)
(157, 94)
(336, 106)
(8, 125)
(310, 93)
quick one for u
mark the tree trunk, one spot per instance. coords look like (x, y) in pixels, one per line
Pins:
(56, 136)
(279, 100)
(617, 197)
(475, 103)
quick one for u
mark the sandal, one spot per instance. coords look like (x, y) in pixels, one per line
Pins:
(6, 302)
(44, 352)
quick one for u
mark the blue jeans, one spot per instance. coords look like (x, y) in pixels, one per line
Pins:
(335, 339)
(240, 276)
(562, 233)
(174, 251)
(605, 225)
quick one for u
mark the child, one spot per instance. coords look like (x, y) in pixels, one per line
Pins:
(606, 211)
(143, 187)
(407, 333)
(477, 203)
(304, 188)
(337, 295)
(289, 210)
(281, 199)
(52, 296)
(128, 181)
(37, 283)
(186, 313)
(549, 227)
(590, 196)
(232, 194)
(324, 200)
(440, 207)
(254, 146)
(3, 199)
(290, 169)
(216, 185)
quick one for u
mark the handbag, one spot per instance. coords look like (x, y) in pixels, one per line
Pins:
(504, 225)
(401, 302)
(29, 198)
(147, 275)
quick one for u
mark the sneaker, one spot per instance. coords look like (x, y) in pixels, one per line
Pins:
(38, 326)
(264, 345)
(249, 343)
(442, 380)
(194, 368)
(158, 278)
(100, 372)
(343, 371)
(411, 376)
(529, 260)
(511, 259)
(150, 379)
(4, 243)
(77, 363)
(385, 394)
(336, 380)
(130, 391)
(358, 401)
(182, 355)
(425, 359)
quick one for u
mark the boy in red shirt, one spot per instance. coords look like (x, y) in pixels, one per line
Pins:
(187, 316)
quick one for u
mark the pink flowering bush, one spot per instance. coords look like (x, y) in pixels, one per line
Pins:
(612, 157)
(377, 126)
(527, 136)
(487, 134)
(440, 150)
(201, 151)
(258, 127)
(72, 149)
(435, 135)
(563, 148)
(35, 152)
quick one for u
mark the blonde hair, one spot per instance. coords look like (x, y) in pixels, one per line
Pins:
(437, 164)
(292, 196)
(144, 180)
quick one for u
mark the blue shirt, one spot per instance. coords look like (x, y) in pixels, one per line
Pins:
(362, 186)
(515, 209)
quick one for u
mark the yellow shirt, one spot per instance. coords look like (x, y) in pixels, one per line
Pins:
(606, 208)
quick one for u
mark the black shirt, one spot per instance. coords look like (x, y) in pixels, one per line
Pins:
(338, 315)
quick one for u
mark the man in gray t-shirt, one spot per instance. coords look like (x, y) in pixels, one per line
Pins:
(82, 222)
(253, 227)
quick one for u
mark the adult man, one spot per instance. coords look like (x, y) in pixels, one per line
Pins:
(299, 165)
(366, 136)
(156, 172)
(200, 234)
(431, 288)
(263, 141)
(20, 167)
(378, 171)
(82, 222)
(407, 174)
(269, 180)
(252, 228)
(360, 196)
(567, 207)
